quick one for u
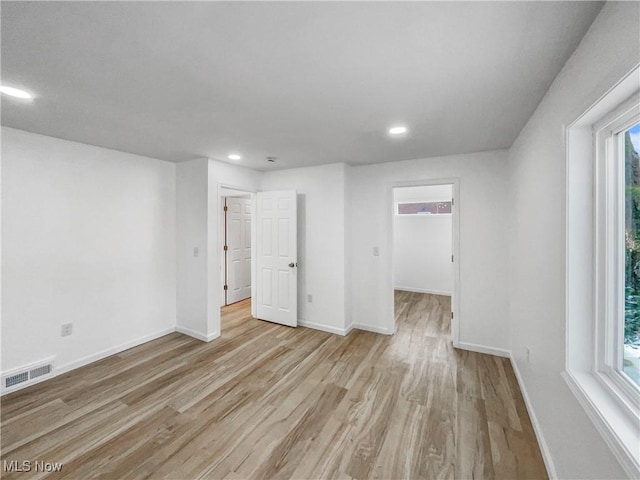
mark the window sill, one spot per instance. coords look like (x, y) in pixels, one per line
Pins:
(619, 429)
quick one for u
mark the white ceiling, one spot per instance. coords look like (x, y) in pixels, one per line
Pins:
(308, 82)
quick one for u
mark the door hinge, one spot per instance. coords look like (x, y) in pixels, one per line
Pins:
(225, 208)
(226, 287)
(453, 202)
(451, 312)
(452, 258)
(225, 248)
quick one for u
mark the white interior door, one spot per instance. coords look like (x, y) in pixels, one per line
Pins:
(238, 249)
(276, 257)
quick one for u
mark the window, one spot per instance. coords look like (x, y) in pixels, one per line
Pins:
(603, 268)
(424, 208)
(618, 249)
(629, 146)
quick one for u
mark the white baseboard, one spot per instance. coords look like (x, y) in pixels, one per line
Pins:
(198, 335)
(423, 290)
(372, 328)
(112, 351)
(474, 347)
(59, 370)
(544, 448)
(324, 328)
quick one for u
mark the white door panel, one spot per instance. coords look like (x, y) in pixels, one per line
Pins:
(277, 257)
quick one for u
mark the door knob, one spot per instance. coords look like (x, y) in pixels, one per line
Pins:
(293, 264)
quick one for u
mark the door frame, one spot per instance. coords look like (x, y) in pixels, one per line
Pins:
(224, 264)
(220, 240)
(455, 248)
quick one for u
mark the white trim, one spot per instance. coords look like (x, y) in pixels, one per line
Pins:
(107, 353)
(325, 328)
(198, 335)
(544, 447)
(616, 429)
(423, 290)
(91, 358)
(474, 347)
(215, 245)
(113, 351)
(591, 365)
(372, 328)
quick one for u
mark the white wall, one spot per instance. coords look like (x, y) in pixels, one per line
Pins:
(192, 204)
(422, 243)
(88, 238)
(321, 241)
(537, 179)
(483, 260)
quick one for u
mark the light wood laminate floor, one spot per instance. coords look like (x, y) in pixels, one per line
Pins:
(267, 401)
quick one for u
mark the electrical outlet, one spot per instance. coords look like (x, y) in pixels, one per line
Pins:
(376, 251)
(66, 329)
(309, 298)
(196, 252)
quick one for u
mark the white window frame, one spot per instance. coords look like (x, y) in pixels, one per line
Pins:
(610, 252)
(595, 271)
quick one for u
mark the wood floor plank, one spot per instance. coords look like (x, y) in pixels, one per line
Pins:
(268, 401)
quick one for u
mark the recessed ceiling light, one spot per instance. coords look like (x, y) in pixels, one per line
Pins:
(397, 130)
(14, 92)
(234, 156)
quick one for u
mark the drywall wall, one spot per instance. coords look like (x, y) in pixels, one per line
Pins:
(88, 238)
(422, 243)
(537, 178)
(192, 212)
(483, 260)
(348, 264)
(321, 241)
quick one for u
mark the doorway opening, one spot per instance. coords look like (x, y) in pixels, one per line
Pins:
(258, 233)
(424, 277)
(235, 261)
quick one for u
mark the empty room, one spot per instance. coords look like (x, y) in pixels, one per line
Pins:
(315, 240)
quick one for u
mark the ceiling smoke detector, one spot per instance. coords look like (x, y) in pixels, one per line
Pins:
(272, 159)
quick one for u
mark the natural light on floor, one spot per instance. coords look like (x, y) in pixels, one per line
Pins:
(631, 355)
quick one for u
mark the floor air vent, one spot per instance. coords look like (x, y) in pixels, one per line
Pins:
(27, 374)
(16, 379)
(39, 371)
